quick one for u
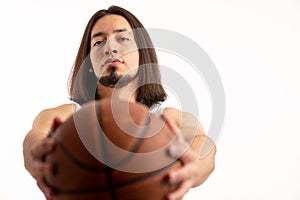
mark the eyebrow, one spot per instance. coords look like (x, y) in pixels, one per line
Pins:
(114, 31)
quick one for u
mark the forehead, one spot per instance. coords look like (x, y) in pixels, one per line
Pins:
(109, 23)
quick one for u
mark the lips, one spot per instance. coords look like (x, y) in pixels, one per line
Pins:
(112, 62)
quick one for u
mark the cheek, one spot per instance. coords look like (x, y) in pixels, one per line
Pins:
(133, 59)
(97, 60)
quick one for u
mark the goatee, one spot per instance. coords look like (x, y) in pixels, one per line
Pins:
(114, 80)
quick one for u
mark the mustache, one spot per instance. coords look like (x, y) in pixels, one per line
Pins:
(114, 80)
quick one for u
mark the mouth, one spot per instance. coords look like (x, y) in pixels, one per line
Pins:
(112, 62)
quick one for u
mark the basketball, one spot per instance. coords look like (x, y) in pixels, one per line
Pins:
(112, 149)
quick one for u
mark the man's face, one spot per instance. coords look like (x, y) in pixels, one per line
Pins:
(114, 53)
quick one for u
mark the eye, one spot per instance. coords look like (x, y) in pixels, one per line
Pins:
(99, 43)
(123, 39)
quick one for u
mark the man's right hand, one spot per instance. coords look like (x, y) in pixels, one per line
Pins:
(37, 167)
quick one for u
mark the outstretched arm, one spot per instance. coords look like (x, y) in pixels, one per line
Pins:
(36, 144)
(195, 149)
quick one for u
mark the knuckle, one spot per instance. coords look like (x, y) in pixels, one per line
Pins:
(38, 170)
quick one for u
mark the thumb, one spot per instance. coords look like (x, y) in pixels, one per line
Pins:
(56, 123)
(180, 149)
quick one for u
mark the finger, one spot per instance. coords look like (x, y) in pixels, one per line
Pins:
(48, 192)
(40, 169)
(178, 147)
(186, 172)
(43, 147)
(56, 123)
(171, 124)
(180, 191)
(188, 156)
(174, 128)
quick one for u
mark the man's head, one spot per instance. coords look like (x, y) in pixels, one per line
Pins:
(113, 51)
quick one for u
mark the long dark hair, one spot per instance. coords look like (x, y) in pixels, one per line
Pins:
(82, 83)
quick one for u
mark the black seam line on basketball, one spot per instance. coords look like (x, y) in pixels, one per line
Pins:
(76, 161)
(124, 184)
(101, 134)
(104, 156)
(102, 142)
(133, 149)
(137, 144)
(108, 177)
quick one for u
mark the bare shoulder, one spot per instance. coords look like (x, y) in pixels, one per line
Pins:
(46, 116)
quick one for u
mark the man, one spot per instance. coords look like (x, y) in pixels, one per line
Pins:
(112, 61)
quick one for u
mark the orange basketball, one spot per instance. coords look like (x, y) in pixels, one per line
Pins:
(111, 149)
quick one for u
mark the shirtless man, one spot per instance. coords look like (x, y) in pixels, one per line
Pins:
(111, 51)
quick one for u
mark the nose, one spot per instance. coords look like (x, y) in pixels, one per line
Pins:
(110, 47)
(111, 52)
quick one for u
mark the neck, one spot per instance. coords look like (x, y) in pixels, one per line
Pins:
(127, 93)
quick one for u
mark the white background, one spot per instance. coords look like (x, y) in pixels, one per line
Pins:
(254, 44)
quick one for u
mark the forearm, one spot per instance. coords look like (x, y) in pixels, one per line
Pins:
(206, 161)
